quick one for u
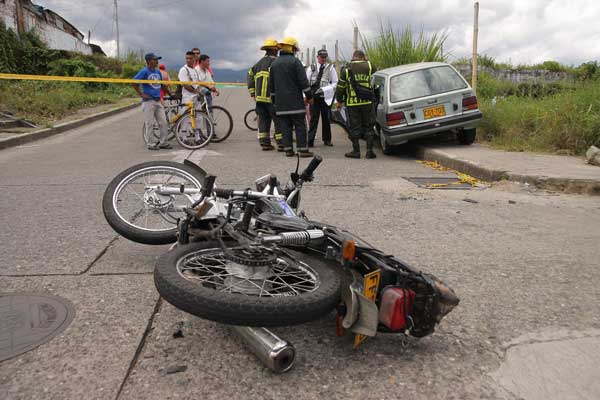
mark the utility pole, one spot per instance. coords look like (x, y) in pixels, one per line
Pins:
(117, 25)
(337, 58)
(474, 59)
(20, 17)
(355, 39)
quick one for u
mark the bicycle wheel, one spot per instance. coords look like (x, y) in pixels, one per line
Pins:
(223, 123)
(150, 136)
(194, 138)
(251, 120)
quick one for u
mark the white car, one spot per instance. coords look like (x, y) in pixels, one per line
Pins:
(418, 100)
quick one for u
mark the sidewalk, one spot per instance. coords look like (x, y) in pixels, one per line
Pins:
(549, 172)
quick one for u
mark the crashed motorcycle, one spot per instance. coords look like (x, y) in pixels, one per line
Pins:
(251, 259)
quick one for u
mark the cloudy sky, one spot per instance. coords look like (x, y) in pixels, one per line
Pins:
(231, 31)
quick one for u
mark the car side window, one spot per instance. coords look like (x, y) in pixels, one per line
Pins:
(379, 88)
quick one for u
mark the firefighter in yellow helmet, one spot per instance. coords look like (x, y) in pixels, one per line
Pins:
(258, 83)
(287, 83)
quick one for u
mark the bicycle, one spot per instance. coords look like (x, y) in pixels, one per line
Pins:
(222, 122)
(251, 120)
(186, 126)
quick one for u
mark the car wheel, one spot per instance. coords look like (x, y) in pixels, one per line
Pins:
(385, 147)
(466, 136)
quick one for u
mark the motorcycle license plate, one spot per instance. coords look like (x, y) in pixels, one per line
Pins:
(434, 112)
(370, 286)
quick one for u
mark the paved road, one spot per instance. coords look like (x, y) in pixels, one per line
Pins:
(525, 264)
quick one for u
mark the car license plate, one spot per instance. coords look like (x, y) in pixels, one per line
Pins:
(371, 284)
(434, 112)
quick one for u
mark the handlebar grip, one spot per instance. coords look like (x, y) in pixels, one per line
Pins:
(209, 183)
(224, 193)
(312, 166)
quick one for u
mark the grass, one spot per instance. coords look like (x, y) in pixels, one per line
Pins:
(564, 123)
(392, 48)
(45, 102)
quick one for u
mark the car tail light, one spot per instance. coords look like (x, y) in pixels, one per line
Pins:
(470, 103)
(394, 309)
(396, 118)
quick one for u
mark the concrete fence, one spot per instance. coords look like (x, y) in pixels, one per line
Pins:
(518, 76)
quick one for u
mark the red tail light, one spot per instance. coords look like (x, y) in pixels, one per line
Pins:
(396, 118)
(394, 310)
(470, 103)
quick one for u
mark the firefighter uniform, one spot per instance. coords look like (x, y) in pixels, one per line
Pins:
(360, 111)
(258, 86)
(287, 83)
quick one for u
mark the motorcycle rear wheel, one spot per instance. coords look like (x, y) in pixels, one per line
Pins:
(198, 279)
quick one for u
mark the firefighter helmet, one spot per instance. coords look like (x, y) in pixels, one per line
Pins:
(289, 42)
(269, 43)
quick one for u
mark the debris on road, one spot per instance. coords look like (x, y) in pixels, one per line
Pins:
(512, 202)
(173, 369)
(471, 201)
(593, 156)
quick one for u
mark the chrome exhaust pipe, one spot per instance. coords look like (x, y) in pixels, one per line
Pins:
(275, 353)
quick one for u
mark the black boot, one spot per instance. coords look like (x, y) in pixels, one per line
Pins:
(370, 154)
(355, 153)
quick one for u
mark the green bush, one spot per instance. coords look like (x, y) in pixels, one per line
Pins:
(565, 122)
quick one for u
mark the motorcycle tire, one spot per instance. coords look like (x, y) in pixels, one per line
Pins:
(236, 308)
(128, 229)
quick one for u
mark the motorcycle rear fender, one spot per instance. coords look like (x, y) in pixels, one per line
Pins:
(196, 167)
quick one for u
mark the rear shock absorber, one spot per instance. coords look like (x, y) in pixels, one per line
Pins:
(300, 238)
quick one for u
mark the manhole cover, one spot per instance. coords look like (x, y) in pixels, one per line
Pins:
(29, 320)
(439, 183)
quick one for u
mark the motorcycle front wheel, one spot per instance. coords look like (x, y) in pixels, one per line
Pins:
(134, 207)
(241, 288)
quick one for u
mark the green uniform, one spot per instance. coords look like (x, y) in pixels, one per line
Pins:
(360, 112)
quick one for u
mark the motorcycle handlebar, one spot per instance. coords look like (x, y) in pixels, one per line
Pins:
(306, 175)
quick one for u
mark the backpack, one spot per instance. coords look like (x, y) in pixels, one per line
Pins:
(363, 93)
(179, 91)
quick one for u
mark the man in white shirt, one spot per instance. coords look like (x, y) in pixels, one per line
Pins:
(205, 75)
(323, 80)
(188, 73)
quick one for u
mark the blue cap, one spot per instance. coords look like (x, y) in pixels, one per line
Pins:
(151, 56)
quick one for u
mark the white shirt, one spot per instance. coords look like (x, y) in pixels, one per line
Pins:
(329, 90)
(204, 75)
(188, 74)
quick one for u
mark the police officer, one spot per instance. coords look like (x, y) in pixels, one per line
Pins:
(355, 89)
(323, 80)
(287, 83)
(258, 80)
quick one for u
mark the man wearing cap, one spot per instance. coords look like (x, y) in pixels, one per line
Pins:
(287, 83)
(151, 106)
(323, 80)
(258, 81)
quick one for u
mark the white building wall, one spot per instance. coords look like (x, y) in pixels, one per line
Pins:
(8, 14)
(54, 37)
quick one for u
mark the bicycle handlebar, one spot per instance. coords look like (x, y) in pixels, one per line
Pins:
(307, 174)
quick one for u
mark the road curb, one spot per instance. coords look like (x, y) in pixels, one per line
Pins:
(566, 185)
(44, 133)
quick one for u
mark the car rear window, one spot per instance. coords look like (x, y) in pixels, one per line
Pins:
(424, 82)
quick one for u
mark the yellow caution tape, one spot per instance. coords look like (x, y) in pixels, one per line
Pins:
(108, 80)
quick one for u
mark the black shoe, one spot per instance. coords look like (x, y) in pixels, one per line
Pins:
(305, 153)
(290, 153)
(267, 147)
(370, 154)
(328, 144)
(280, 149)
(352, 154)
(165, 146)
(153, 146)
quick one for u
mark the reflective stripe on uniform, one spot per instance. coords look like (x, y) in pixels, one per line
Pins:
(262, 135)
(278, 136)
